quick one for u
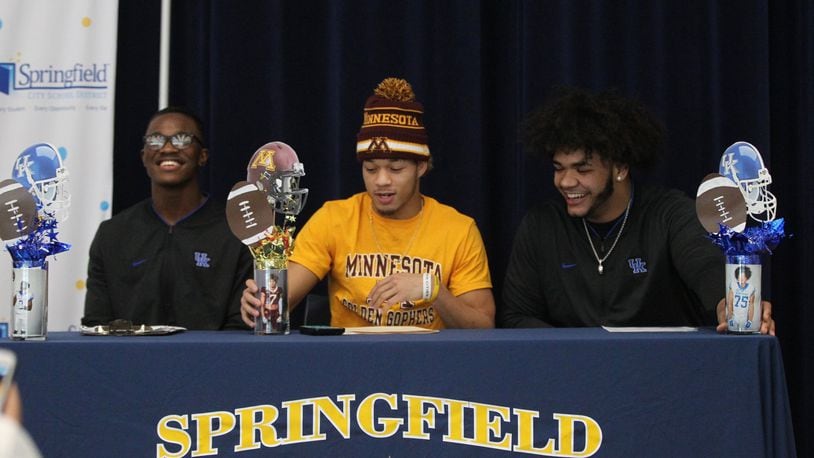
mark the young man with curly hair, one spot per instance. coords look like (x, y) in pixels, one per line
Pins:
(610, 251)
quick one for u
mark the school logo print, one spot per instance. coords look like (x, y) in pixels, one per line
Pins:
(637, 265)
(264, 159)
(379, 144)
(202, 259)
(6, 77)
(24, 76)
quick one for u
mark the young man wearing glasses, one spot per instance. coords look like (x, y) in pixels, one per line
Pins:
(170, 259)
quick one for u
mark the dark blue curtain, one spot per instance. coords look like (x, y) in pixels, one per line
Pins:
(300, 71)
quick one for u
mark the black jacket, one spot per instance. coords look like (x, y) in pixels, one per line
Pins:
(191, 274)
(663, 271)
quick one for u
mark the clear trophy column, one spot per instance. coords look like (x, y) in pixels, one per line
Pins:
(29, 308)
(725, 202)
(271, 189)
(272, 287)
(743, 309)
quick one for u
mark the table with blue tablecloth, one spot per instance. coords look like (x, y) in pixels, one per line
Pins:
(547, 392)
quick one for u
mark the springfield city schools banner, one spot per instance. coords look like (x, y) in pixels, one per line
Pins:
(57, 79)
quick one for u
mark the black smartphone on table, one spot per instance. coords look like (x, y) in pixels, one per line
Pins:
(321, 330)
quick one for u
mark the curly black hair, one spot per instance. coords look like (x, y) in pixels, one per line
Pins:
(618, 129)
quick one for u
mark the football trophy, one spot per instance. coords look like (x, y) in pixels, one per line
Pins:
(33, 203)
(724, 202)
(272, 188)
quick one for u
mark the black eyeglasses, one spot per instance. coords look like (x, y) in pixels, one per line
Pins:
(180, 140)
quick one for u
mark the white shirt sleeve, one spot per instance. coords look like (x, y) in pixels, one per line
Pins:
(15, 441)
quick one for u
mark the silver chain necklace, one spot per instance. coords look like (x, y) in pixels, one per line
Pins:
(599, 268)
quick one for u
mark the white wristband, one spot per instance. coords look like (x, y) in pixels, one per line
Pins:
(426, 292)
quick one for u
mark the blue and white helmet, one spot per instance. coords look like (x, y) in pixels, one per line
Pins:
(40, 170)
(742, 163)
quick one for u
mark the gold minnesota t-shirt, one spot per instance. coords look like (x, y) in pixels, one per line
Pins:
(357, 247)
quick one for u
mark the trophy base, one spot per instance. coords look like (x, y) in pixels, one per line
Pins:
(35, 338)
(272, 287)
(743, 333)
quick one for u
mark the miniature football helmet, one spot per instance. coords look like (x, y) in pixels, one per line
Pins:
(276, 171)
(40, 170)
(742, 163)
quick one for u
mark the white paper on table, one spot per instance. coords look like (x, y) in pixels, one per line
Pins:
(649, 328)
(389, 330)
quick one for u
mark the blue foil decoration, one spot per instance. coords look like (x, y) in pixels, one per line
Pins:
(32, 249)
(753, 240)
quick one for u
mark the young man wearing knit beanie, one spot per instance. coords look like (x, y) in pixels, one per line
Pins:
(393, 256)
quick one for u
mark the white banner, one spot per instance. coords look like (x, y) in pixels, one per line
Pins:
(57, 81)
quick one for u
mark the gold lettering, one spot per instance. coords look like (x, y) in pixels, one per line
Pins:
(593, 435)
(174, 436)
(365, 416)
(207, 431)
(417, 417)
(340, 419)
(265, 159)
(294, 420)
(390, 118)
(248, 425)
(525, 434)
(493, 426)
(487, 422)
(455, 420)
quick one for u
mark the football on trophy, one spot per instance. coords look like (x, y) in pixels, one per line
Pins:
(248, 213)
(19, 210)
(720, 201)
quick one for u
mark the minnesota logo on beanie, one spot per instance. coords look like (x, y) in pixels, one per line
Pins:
(392, 126)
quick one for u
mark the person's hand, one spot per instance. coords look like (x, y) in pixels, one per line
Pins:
(767, 325)
(766, 321)
(720, 310)
(394, 289)
(249, 304)
(14, 405)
